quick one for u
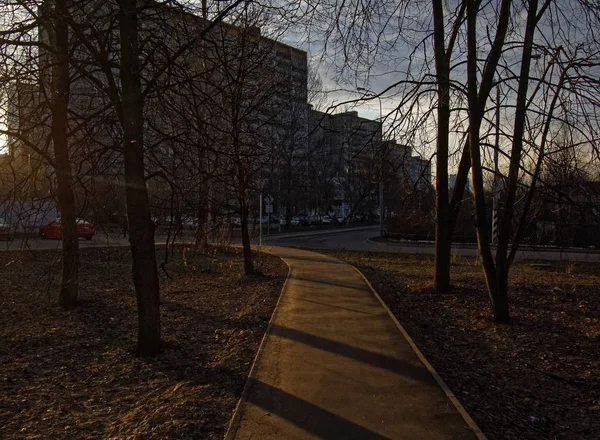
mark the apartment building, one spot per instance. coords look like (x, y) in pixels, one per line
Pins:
(410, 169)
(344, 161)
(233, 98)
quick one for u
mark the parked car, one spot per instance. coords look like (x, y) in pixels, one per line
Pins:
(54, 229)
(295, 221)
(314, 220)
(304, 219)
(358, 217)
(6, 230)
(326, 220)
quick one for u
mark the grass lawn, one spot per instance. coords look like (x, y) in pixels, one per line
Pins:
(536, 378)
(71, 374)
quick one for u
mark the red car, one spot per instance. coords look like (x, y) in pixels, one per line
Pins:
(54, 229)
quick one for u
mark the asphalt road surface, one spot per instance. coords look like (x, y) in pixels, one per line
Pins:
(359, 241)
(334, 365)
(100, 240)
(353, 239)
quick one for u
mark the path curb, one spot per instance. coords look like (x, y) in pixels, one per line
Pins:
(234, 423)
(538, 249)
(463, 412)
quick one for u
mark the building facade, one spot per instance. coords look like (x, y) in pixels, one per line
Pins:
(221, 116)
(344, 162)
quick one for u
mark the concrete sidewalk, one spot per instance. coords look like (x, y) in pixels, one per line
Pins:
(334, 365)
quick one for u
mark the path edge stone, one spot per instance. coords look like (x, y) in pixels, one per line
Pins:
(463, 412)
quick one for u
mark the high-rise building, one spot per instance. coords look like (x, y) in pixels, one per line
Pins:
(344, 152)
(409, 169)
(197, 92)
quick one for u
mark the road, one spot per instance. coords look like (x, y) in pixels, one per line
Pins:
(100, 240)
(108, 239)
(355, 239)
(359, 241)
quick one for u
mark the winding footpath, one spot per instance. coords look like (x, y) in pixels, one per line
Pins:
(334, 364)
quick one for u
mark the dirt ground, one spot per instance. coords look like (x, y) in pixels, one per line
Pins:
(538, 378)
(72, 374)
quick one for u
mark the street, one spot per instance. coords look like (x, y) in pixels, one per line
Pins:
(101, 239)
(354, 239)
(358, 240)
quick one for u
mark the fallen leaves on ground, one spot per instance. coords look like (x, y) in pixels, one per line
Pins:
(72, 374)
(537, 378)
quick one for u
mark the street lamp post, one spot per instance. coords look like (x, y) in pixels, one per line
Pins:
(381, 207)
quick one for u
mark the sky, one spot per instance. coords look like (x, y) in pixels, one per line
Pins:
(365, 51)
(374, 68)
(370, 48)
(389, 37)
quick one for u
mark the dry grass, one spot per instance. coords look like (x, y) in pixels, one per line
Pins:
(72, 375)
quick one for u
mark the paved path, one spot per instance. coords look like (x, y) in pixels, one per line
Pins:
(334, 365)
(355, 239)
(358, 240)
(104, 239)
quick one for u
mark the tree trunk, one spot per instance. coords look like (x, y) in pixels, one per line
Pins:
(462, 178)
(141, 229)
(504, 230)
(202, 212)
(202, 217)
(66, 199)
(247, 250)
(500, 296)
(442, 241)
(501, 304)
(496, 273)
(484, 91)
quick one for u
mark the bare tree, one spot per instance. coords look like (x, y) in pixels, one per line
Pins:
(125, 64)
(563, 77)
(443, 55)
(43, 96)
(59, 42)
